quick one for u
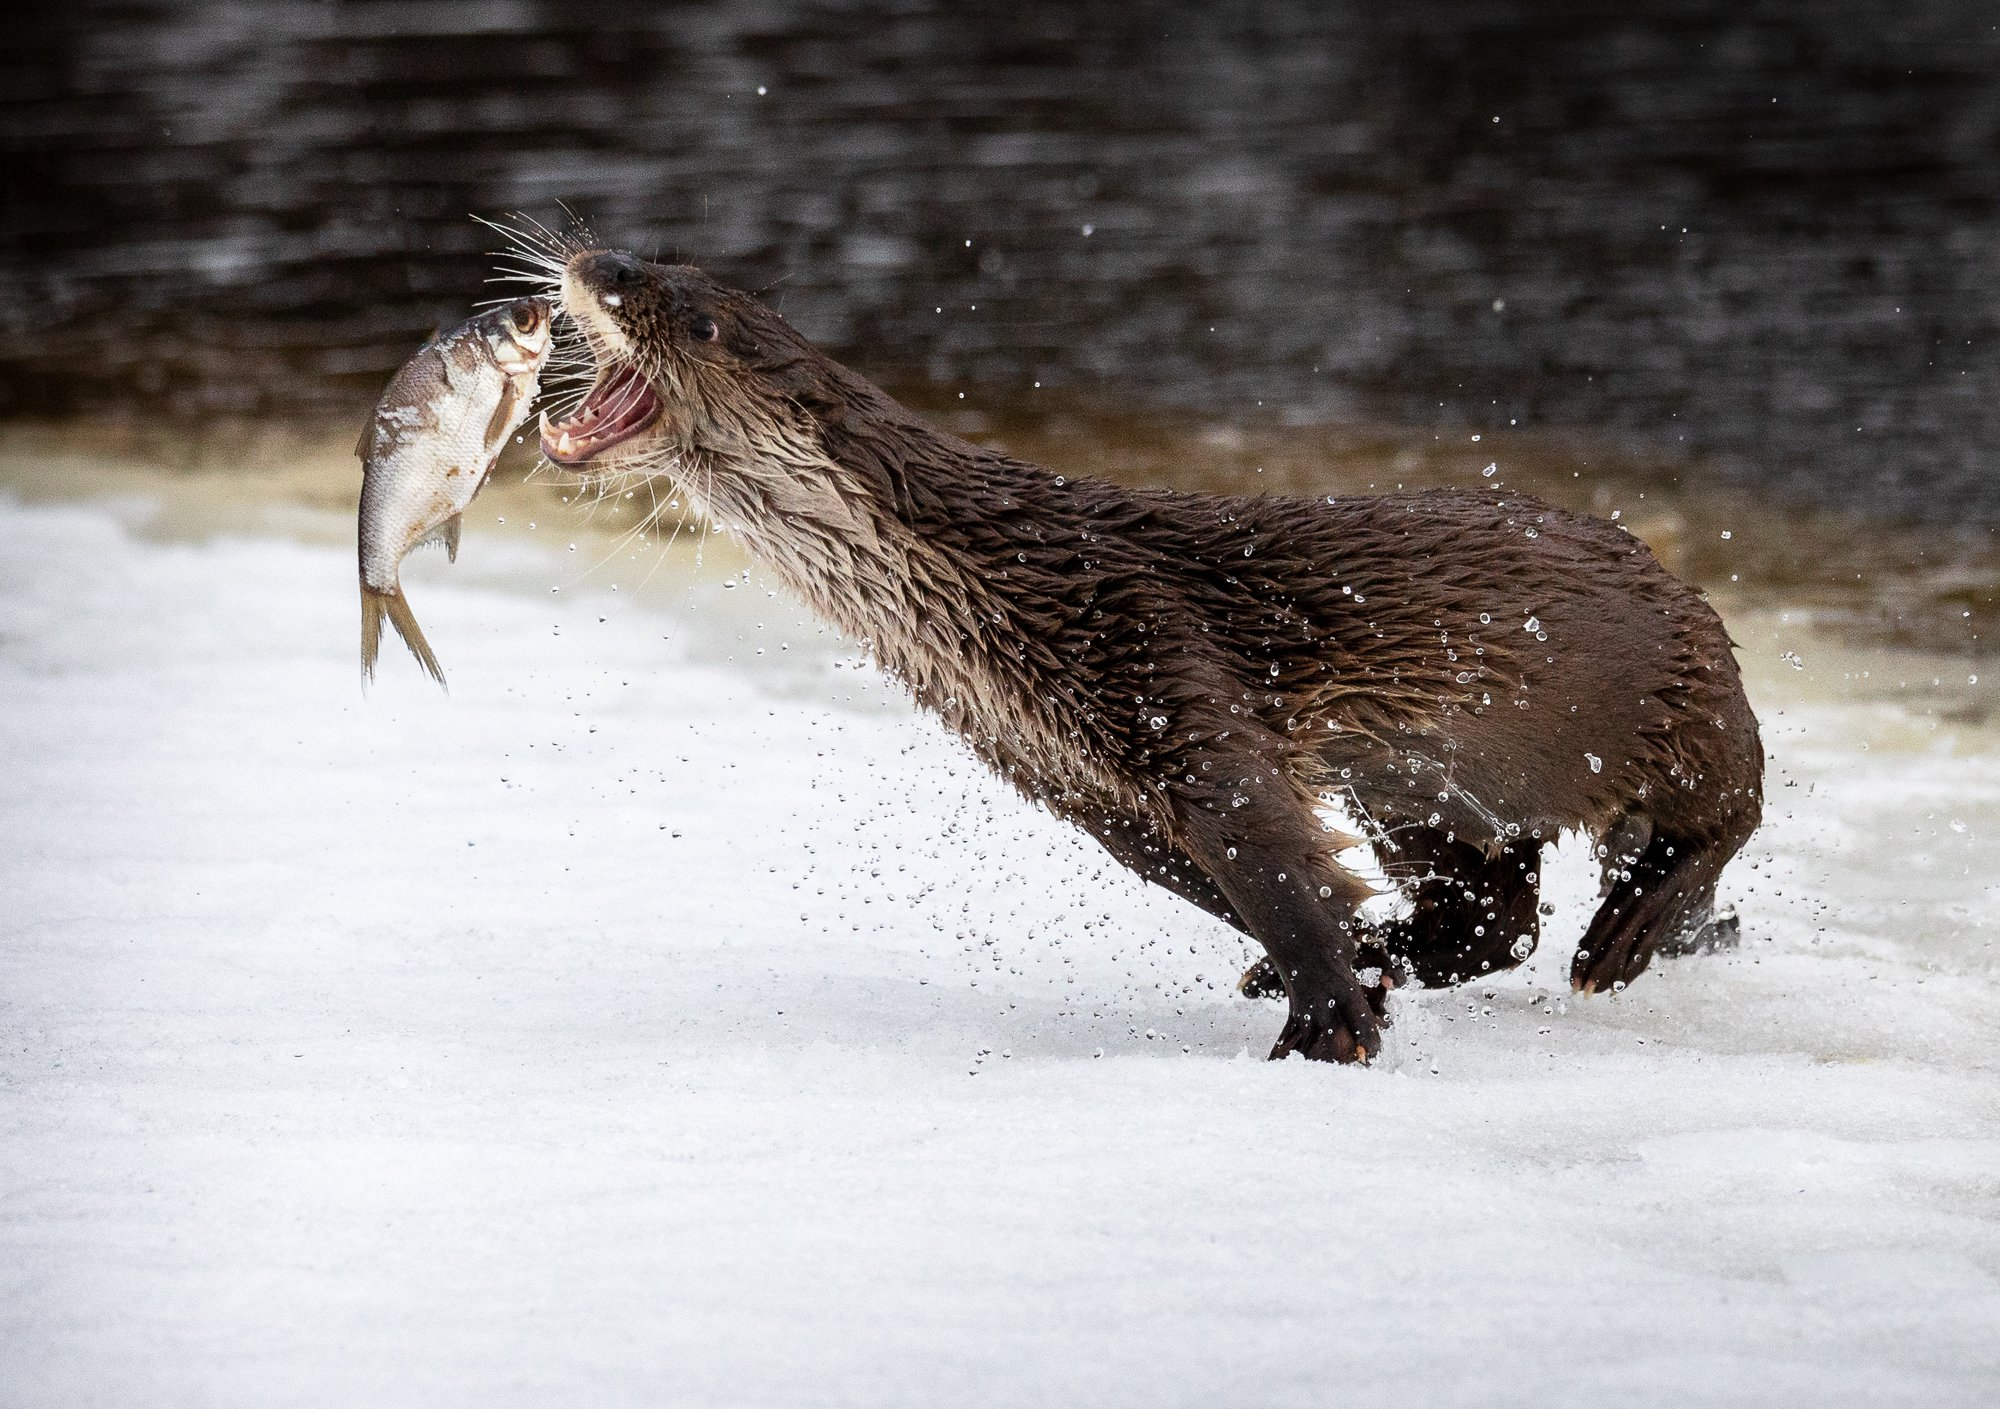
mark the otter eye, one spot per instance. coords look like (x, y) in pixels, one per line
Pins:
(703, 328)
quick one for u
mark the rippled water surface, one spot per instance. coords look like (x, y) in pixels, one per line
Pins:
(1765, 237)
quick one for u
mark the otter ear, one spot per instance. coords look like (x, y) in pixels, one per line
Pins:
(742, 342)
(799, 376)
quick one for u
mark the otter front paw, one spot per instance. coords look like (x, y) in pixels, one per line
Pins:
(1331, 1029)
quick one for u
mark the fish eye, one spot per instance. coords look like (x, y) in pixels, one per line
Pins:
(703, 328)
(524, 317)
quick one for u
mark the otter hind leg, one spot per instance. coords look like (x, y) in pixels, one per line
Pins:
(1472, 912)
(1663, 901)
(1622, 844)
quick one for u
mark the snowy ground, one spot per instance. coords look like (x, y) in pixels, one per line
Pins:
(669, 1017)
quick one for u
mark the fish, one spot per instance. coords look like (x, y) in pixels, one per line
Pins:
(431, 446)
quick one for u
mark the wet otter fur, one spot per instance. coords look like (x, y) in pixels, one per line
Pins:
(1188, 678)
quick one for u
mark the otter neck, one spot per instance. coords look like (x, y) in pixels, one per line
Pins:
(868, 530)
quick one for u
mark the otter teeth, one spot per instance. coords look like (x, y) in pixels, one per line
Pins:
(563, 443)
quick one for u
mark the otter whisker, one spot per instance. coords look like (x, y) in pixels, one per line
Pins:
(543, 281)
(605, 486)
(537, 242)
(577, 223)
(660, 553)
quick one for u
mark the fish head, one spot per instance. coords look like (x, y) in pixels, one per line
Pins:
(517, 335)
(683, 366)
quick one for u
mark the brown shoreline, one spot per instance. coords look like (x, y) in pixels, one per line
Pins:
(1873, 581)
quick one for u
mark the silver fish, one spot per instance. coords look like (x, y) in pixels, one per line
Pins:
(429, 449)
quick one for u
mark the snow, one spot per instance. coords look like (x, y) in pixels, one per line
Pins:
(671, 1016)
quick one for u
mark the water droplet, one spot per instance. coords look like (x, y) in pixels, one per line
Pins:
(1596, 763)
(1491, 470)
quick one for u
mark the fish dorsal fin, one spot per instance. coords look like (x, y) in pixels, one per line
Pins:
(445, 533)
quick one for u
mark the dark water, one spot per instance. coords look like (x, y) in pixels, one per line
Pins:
(1766, 235)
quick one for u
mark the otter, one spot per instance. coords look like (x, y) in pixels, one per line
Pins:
(1192, 679)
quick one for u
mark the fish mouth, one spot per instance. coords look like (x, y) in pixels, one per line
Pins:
(621, 404)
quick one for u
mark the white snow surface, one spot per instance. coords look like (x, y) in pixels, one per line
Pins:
(671, 1016)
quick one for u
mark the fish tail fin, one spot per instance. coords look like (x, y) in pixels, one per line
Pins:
(371, 633)
(394, 605)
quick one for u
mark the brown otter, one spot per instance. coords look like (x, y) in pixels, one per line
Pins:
(1189, 677)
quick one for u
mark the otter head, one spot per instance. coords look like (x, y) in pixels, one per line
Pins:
(685, 369)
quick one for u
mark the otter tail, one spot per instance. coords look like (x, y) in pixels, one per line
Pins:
(394, 605)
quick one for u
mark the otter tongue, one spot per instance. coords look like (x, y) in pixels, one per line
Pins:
(620, 405)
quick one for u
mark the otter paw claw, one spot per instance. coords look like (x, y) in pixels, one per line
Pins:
(1261, 980)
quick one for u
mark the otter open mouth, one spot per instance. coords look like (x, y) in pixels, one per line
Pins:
(621, 404)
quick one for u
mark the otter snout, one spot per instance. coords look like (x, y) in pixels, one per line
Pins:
(596, 285)
(608, 270)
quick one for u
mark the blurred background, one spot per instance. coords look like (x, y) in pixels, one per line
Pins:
(1732, 268)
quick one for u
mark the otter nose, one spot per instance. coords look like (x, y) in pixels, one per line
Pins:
(613, 269)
